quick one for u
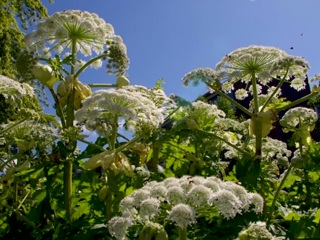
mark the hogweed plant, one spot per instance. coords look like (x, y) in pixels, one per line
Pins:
(255, 66)
(72, 35)
(188, 170)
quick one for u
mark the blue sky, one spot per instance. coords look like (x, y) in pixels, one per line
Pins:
(168, 38)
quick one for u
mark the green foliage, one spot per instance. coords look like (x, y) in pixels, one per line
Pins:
(13, 14)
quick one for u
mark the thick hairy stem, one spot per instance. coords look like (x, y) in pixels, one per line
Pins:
(182, 233)
(258, 147)
(255, 93)
(109, 197)
(69, 123)
(258, 133)
(305, 173)
(114, 132)
(68, 188)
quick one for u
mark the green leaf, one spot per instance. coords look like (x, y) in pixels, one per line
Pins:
(290, 180)
(317, 216)
(82, 208)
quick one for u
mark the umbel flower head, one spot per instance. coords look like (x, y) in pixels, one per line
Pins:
(62, 29)
(262, 63)
(182, 201)
(72, 31)
(136, 105)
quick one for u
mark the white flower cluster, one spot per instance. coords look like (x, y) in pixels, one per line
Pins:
(12, 89)
(208, 109)
(257, 230)
(266, 63)
(263, 63)
(198, 115)
(104, 108)
(273, 151)
(62, 29)
(302, 116)
(182, 200)
(199, 74)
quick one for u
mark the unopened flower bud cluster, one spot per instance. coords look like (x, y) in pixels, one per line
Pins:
(182, 201)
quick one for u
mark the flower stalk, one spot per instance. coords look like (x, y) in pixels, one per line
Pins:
(276, 196)
(182, 233)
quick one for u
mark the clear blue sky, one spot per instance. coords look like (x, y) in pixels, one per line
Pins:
(168, 38)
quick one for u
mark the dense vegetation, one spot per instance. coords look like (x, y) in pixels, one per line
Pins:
(188, 170)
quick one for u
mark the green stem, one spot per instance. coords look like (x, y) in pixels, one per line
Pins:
(182, 233)
(275, 91)
(300, 100)
(102, 85)
(235, 103)
(69, 123)
(124, 146)
(17, 156)
(228, 143)
(258, 147)
(305, 172)
(278, 191)
(91, 144)
(108, 201)
(114, 133)
(68, 188)
(12, 126)
(21, 216)
(258, 134)
(58, 106)
(88, 63)
(124, 137)
(255, 93)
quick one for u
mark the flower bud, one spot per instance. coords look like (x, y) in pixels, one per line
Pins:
(122, 81)
(103, 193)
(44, 74)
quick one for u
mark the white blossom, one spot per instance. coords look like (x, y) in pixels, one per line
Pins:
(182, 215)
(62, 28)
(257, 230)
(175, 195)
(139, 196)
(118, 227)
(140, 113)
(13, 89)
(199, 195)
(227, 204)
(299, 115)
(149, 208)
(257, 202)
(241, 94)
